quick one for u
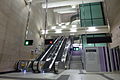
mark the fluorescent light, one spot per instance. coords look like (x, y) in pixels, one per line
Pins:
(69, 11)
(92, 29)
(74, 26)
(43, 32)
(72, 34)
(60, 24)
(63, 9)
(90, 44)
(53, 27)
(73, 6)
(63, 26)
(58, 31)
(67, 23)
(73, 30)
(29, 0)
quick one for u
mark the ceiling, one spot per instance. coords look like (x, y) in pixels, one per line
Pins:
(67, 8)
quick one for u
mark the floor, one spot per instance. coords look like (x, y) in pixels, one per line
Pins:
(72, 74)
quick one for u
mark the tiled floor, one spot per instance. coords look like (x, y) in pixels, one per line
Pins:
(65, 75)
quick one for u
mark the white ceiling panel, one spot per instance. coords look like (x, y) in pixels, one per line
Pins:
(68, 2)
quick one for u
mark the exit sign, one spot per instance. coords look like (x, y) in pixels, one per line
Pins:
(28, 42)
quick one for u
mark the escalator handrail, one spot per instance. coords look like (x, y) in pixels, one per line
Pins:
(48, 50)
(56, 55)
(54, 51)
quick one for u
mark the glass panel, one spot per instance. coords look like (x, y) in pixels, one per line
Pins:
(89, 35)
(98, 22)
(86, 23)
(96, 11)
(100, 44)
(85, 12)
(84, 39)
(99, 35)
(89, 45)
(91, 11)
(82, 15)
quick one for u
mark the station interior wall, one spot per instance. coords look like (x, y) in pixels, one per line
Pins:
(13, 20)
(113, 12)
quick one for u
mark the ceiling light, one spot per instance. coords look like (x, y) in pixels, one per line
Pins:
(72, 34)
(58, 31)
(60, 24)
(63, 9)
(43, 32)
(73, 30)
(67, 23)
(74, 26)
(53, 27)
(90, 44)
(91, 29)
(73, 6)
(63, 26)
(29, 0)
(69, 11)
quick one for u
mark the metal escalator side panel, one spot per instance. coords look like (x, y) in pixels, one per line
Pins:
(34, 66)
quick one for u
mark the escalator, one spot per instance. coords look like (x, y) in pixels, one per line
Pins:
(43, 62)
(48, 66)
(28, 64)
(47, 51)
(55, 62)
(46, 61)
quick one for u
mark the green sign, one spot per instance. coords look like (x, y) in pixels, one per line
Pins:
(28, 42)
(76, 48)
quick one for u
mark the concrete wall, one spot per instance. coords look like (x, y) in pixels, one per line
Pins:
(51, 17)
(113, 8)
(66, 17)
(13, 18)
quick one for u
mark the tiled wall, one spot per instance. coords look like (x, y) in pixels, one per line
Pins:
(13, 18)
(114, 18)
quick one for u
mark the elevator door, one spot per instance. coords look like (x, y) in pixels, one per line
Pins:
(92, 60)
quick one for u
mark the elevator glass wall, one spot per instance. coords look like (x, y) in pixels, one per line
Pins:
(91, 14)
